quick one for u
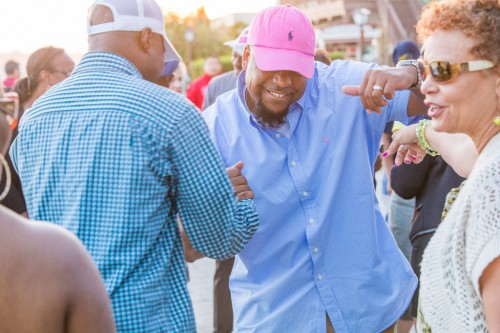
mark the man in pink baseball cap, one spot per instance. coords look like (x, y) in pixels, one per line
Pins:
(323, 258)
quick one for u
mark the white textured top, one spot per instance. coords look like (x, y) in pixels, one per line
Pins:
(465, 243)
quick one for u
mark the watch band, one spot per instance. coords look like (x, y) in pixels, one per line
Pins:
(414, 63)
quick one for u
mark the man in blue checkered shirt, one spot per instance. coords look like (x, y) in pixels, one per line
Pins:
(114, 158)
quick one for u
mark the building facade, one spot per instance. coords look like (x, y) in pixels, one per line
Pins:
(390, 21)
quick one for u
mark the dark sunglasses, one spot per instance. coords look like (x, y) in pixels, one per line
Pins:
(444, 71)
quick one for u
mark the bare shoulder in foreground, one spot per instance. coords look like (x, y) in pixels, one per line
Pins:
(48, 281)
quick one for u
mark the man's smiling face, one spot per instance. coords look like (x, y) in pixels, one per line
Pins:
(270, 93)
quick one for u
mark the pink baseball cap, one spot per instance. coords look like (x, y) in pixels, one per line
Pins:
(283, 39)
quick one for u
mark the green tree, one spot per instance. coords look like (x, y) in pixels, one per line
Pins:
(207, 41)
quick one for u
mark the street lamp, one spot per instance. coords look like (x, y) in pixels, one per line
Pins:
(360, 17)
(189, 37)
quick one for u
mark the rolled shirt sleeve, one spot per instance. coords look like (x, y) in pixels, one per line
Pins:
(217, 224)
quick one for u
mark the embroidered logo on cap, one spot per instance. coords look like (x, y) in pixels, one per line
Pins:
(290, 36)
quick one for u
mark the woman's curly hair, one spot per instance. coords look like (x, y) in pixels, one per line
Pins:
(478, 19)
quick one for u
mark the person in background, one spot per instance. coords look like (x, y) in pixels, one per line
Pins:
(404, 50)
(197, 88)
(460, 67)
(176, 80)
(49, 283)
(115, 158)
(323, 258)
(227, 81)
(45, 67)
(12, 71)
(428, 182)
(400, 209)
(10, 186)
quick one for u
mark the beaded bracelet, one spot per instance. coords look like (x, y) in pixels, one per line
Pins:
(422, 141)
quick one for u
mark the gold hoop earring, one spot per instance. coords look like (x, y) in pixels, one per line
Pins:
(8, 178)
(496, 121)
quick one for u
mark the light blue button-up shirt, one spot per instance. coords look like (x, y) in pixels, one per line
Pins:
(322, 245)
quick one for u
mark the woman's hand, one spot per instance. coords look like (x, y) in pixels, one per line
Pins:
(404, 145)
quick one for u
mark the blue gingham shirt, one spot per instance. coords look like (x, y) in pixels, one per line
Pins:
(112, 157)
(322, 246)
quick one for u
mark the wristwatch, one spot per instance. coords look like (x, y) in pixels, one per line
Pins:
(414, 63)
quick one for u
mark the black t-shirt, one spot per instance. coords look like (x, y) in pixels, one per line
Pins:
(14, 199)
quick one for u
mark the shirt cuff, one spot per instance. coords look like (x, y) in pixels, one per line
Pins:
(399, 107)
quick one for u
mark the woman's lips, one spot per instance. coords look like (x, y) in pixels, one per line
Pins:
(434, 110)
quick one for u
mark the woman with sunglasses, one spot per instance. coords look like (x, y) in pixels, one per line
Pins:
(460, 281)
(46, 67)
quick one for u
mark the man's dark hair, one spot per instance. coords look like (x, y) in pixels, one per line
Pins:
(11, 66)
(268, 118)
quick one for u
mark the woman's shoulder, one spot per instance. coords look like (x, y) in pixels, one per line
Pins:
(486, 172)
(483, 198)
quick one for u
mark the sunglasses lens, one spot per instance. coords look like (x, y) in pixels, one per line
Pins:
(440, 70)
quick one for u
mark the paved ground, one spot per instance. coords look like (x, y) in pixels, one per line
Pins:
(201, 274)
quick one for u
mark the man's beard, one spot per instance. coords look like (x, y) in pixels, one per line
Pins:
(268, 118)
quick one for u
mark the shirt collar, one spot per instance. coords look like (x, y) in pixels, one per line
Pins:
(106, 61)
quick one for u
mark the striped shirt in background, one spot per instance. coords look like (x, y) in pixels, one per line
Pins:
(112, 158)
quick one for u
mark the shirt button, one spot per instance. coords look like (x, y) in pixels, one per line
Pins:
(320, 277)
(278, 135)
(316, 250)
(293, 163)
(305, 193)
(311, 220)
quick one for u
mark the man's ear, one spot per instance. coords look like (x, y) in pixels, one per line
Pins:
(246, 57)
(43, 76)
(145, 39)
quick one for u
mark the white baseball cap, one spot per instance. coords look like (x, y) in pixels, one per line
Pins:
(134, 15)
(238, 44)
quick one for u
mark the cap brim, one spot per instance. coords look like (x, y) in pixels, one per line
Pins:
(231, 43)
(236, 46)
(170, 67)
(170, 51)
(270, 59)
